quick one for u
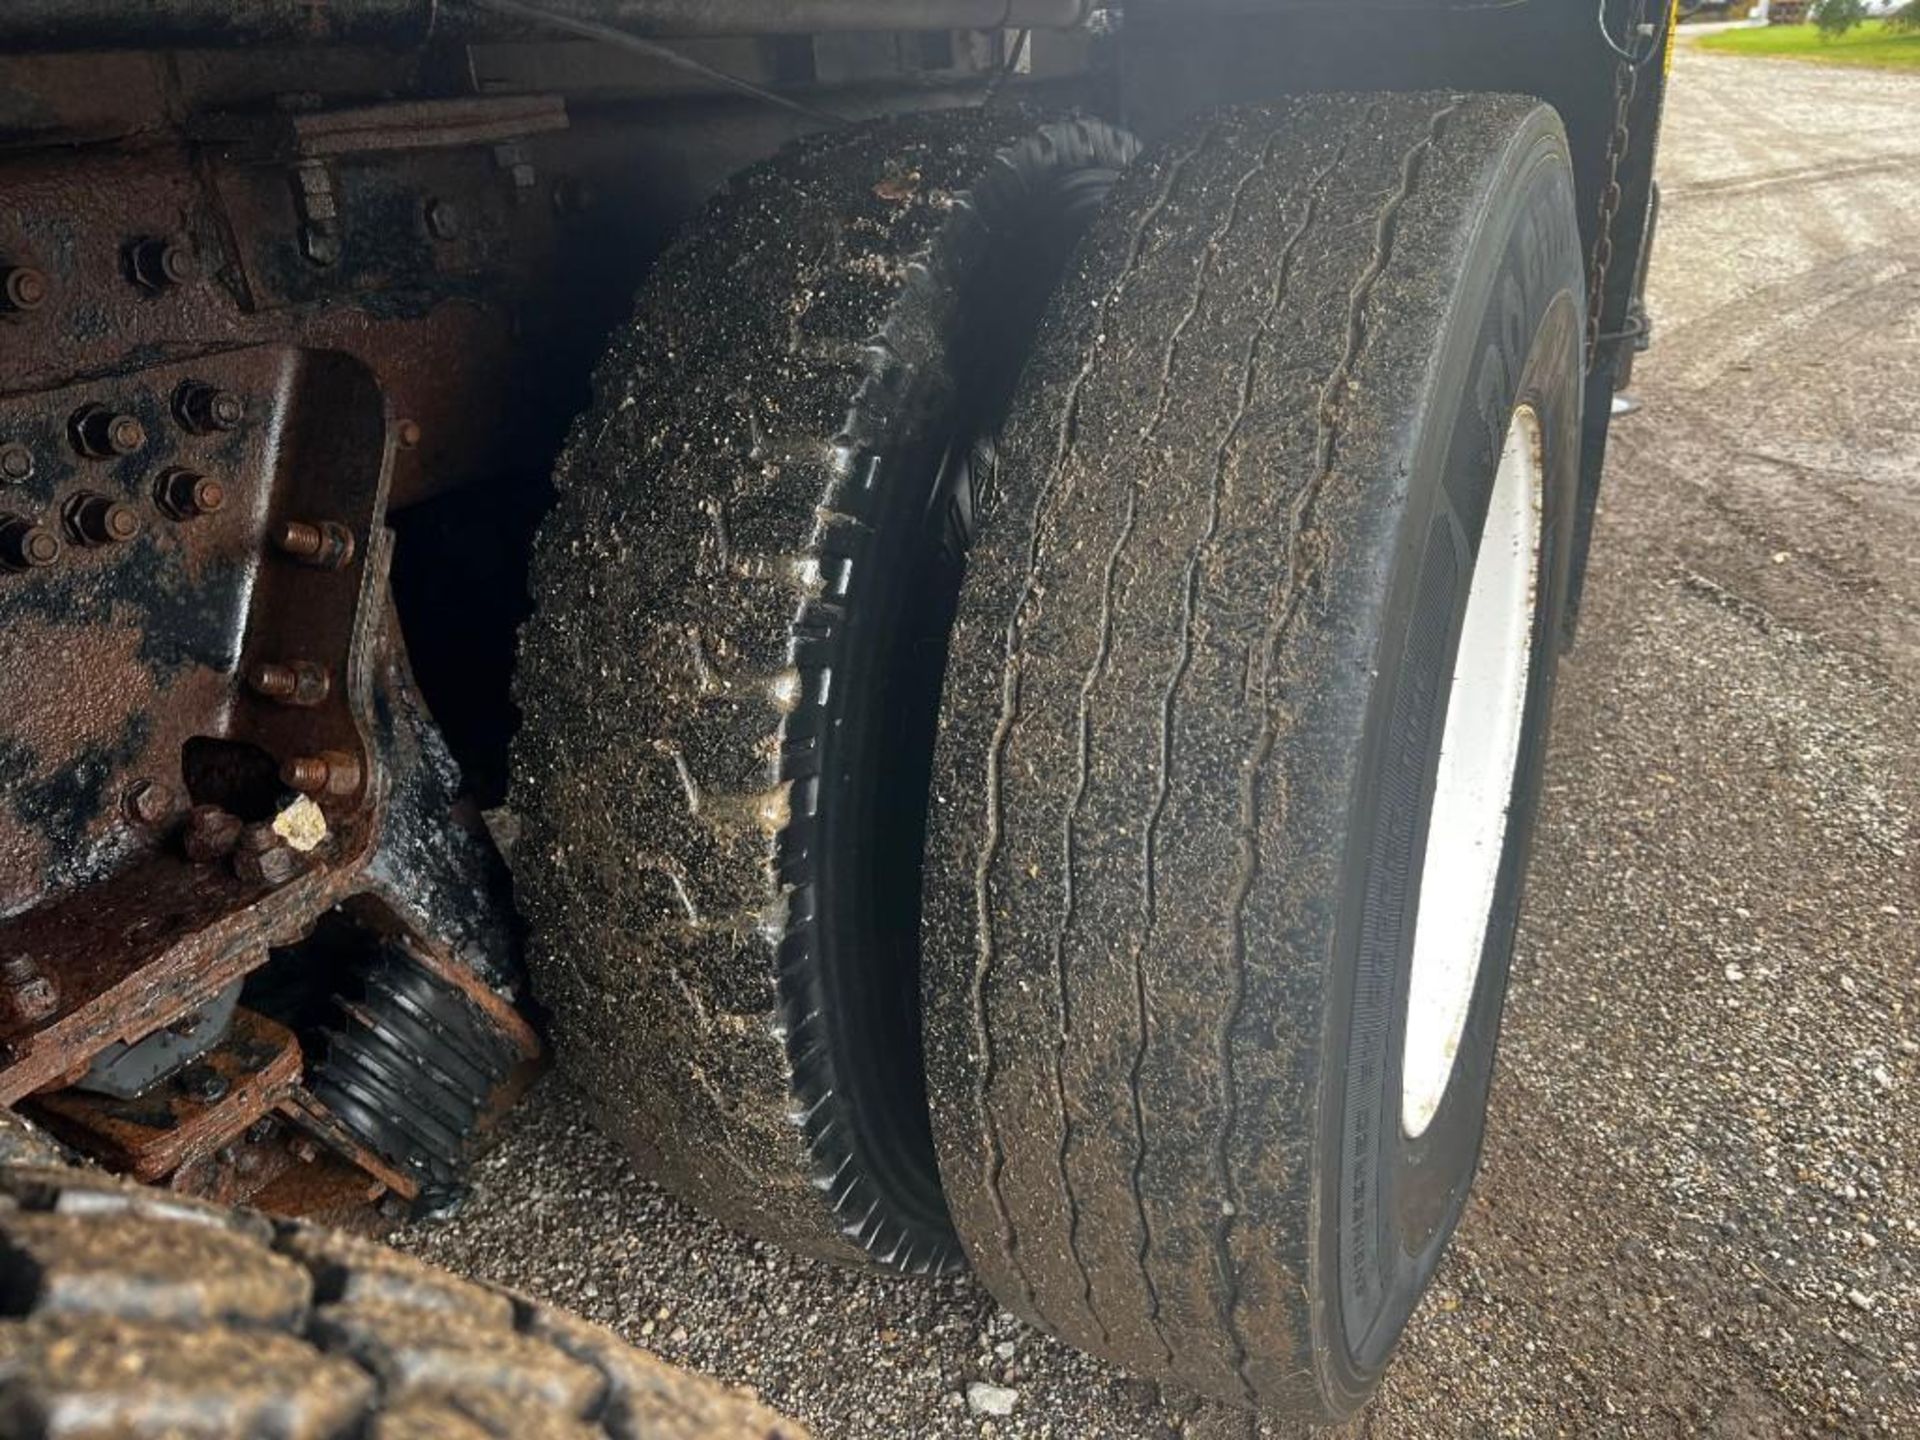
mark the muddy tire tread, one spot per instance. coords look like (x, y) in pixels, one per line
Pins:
(131, 1312)
(1071, 1133)
(669, 776)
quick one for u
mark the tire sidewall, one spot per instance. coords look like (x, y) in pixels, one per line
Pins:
(1387, 1205)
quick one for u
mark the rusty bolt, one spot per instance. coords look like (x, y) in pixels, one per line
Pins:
(203, 409)
(27, 995)
(443, 219)
(184, 494)
(211, 833)
(261, 856)
(326, 544)
(157, 264)
(296, 682)
(202, 1083)
(100, 434)
(406, 434)
(97, 520)
(149, 802)
(25, 544)
(16, 463)
(305, 772)
(23, 288)
(331, 772)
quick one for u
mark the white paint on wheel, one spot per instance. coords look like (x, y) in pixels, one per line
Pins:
(1473, 790)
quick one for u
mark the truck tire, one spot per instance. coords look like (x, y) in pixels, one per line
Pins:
(729, 684)
(129, 1313)
(1313, 383)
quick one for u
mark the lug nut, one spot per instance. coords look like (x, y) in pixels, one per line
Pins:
(23, 288)
(183, 494)
(324, 544)
(211, 833)
(203, 409)
(149, 802)
(100, 434)
(96, 520)
(16, 463)
(331, 772)
(158, 264)
(261, 856)
(297, 682)
(27, 995)
(25, 544)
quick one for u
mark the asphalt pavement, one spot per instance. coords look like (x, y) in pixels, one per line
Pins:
(1699, 1207)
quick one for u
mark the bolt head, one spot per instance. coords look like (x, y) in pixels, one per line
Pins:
(177, 263)
(16, 462)
(149, 802)
(26, 288)
(183, 494)
(263, 858)
(305, 773)
(202, 1083)
(158, 264)
(125, 434)
(39, 547)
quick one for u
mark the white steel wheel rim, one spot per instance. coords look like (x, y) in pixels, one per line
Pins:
(1473, 787)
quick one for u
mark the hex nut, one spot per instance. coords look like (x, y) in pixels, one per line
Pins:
(92, 519)
(203, 409)
(100, 433)
(160, 263)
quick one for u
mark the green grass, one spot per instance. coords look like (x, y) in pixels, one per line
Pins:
(1869, 44)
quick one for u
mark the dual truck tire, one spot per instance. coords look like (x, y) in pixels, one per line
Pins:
(1036, 704)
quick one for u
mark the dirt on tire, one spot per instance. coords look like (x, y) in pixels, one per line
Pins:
(128, 1313)
(1155, 721)
(706, 683)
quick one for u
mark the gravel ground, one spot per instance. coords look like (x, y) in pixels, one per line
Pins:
(1699, 1209)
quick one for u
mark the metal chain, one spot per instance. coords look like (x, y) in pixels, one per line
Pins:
(1626, 83)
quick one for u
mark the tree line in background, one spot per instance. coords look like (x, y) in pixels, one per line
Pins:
(1836, 17)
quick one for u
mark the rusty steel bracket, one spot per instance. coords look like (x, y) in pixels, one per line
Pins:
(216, 740)
(147, 670)
(243, 1078)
